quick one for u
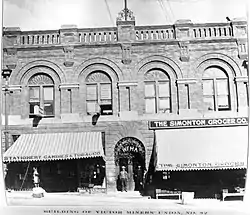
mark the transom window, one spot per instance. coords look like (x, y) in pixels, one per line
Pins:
(99, 93)
(216, 96)
(157, 92)
(41, 95)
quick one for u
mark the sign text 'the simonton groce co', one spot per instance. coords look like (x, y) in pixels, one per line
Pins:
(189, 123)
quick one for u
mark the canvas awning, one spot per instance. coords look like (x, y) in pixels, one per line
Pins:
(55, 146)
(201, 148)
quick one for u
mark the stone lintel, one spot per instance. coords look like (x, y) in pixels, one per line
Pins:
(186, 81)
(68, 86)
(241, 79)
(127, 84)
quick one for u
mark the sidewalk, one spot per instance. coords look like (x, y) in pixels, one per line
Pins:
(24, 198)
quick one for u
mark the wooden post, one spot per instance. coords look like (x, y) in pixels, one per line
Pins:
(3, 201)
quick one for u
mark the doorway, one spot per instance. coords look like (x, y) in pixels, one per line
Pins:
(130, 153)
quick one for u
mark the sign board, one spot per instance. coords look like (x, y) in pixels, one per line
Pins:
(50, 157)
(201, 165)
(194, 123)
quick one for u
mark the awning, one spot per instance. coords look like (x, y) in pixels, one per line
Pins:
(201, 148)
(55, 146)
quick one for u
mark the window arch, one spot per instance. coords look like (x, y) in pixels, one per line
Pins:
(41, 95)
(215, 84)
(99, 93)
(157, 92)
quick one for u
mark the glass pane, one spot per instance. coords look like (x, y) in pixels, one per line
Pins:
(149, 90)
(207, 87)
(105, 91)
(48, 108)
(164, 104)
(34, 93)
(223, 102)
(91, 92)
(164, 89)
(91, 107)
(222, 87)
(48, 93)
(150, 105)
(208, 103)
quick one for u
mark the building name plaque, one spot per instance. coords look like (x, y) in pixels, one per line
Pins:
(194, 123)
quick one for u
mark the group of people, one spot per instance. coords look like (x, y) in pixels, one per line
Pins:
(138, 178)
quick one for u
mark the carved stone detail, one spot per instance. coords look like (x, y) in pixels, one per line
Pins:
(11, 58)
(242, 48)
(184, 51)
(121, 15)
(126, 53)
(69, 56)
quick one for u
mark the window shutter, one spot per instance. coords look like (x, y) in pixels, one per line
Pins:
(150, 105)
(207, 86)
(34, 94)
(105, 91)
(164, 89)
(48, 93)
(222, 87)
(92, 92)
(149, 90)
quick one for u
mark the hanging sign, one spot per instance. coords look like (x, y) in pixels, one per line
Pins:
(194, 123)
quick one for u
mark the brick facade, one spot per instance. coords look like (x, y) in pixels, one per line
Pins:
(125, 53)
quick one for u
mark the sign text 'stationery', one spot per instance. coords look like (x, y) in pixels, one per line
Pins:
(194, 123)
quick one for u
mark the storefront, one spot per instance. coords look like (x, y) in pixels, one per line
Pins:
(64, 161)
(201, 155)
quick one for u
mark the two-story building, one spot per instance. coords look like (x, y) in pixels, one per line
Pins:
(82, 102)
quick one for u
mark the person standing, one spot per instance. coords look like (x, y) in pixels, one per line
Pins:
(124, 179)
(139, 179)
(35, 177)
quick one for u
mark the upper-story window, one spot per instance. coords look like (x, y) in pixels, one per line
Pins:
(216, 95)
(99, 93)
(157, 92)
(41, 95)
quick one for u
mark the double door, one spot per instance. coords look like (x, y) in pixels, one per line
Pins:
(134, 168)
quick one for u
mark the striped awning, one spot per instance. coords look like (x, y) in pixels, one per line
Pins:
(55, 146)
(201, 148)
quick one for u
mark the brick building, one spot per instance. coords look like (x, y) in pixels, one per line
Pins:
(172, 99)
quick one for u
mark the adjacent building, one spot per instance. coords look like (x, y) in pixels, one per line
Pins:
(172, 99)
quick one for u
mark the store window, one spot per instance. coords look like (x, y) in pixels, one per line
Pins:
(157, 92)
(99, 93)
(216, 95)
(41, 95)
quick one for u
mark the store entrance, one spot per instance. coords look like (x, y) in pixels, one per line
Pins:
(130, 153)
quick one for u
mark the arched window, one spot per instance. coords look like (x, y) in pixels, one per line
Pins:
(99, 93)
(41, 95)
(157, 92)
(216, 95)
